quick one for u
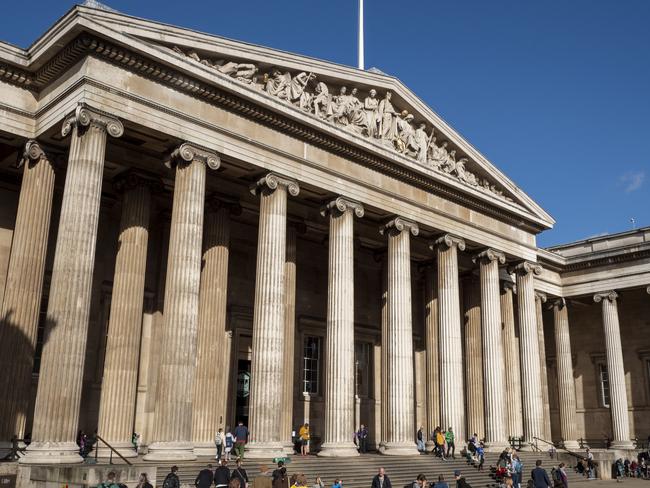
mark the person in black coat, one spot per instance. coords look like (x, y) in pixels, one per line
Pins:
(171, 480)
(205, 478)
(240, 473)
(381, 480)
(222, 474)
(539, 476)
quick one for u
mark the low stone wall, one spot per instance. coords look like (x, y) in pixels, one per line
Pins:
(83, 476)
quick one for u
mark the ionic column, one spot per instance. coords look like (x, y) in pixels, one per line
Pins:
(540, 299)
(473, 364)
(211, 354)
(58, 398)
(514, 418)
(23, 290)
(175, 401)
(339, 358)
(431, 341)
(120, 382)
(493, 368)
(533, 411)
(450, 346)
(289, 334)
(267, 366)
(400, 438)
(565, 381)
(615, 371)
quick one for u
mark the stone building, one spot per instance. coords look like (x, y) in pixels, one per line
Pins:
(196, 231)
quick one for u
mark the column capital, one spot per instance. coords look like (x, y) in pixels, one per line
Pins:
(559, 303)
(129, 179)
(606, 295)
(447, 241)
(647, 289)
(33, 151)
(541, 296)
(340, 205)
(216, 202)
(397, 225)
(488, 255)
(271, 181)
(526, 267)
(189, 152)
(85, 116)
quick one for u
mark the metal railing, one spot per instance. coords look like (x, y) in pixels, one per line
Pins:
(113, 450)
(516, 442)
(559, 445)
(601, 443)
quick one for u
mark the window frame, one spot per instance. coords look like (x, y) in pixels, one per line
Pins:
(315, 377)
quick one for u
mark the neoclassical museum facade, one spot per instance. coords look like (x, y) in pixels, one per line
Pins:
(196, 231)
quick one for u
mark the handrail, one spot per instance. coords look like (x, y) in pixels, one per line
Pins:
(575, 454)
(113, 450)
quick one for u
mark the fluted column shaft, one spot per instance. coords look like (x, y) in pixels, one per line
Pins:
(565, 381)
(399, 368)
(540, 299)
(384, 350)
(514, 418)
(339, 357)
(58, 399)
(23, 290)
(431, 340)
(290, 341)
(119, 385)
(267, 366)
(615, 371)
(173, 421)
(473, 364)
(211, 366)
(533, 410)
(450, 346)
(493, 367)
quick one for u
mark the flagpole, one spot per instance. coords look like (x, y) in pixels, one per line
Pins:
(361, 48)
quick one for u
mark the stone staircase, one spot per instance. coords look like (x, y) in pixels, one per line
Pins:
(358, 472)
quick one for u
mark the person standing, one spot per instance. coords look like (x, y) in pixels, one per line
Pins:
(440, 443)
(229, 443)
(280, 478)
(240, 473)
(171, 480)
(381, 480)
(222, 475)
(539, 476)
(564, 478)
(451, 447)
(420, 439)
(241, 438)
(205, 477)
(517, 469)
(219, 441)
(362, 437)
(303, 433)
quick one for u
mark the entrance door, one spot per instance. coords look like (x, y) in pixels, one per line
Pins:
(243, 390)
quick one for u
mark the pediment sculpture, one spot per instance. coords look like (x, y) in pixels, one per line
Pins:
(372, 116)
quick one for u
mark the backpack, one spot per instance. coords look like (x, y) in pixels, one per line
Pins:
(229, 440)
(169, 482)
(218, 440)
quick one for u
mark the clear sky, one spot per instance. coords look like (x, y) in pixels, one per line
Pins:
(555, 93)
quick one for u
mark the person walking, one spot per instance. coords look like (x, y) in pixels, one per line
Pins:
(219, 441)
(205, 477)
(171, 480)
(564, 478)
(449, 438)
(381, 480)
(362, 437)
(228, 444)
(240, 473)
(517, 469)
(460, 480)
(304, 436)
(241, 438)
(539, 476)
(420, 439)
(222, 475)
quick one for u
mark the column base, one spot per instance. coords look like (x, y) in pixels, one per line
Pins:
(287, 447)
(52, 453)
(400, 449)
(207, 449)
(264, 450)
(124, 448)
(343, 449)
(496, 446)
(622, 445)
(429, 446)
(171, 451)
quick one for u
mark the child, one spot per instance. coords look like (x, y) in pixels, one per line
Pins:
(230, 442)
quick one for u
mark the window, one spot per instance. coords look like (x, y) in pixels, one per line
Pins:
(362, 368)
(603, 378)
(311, 365)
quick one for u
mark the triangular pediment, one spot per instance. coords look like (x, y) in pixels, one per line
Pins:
(370, 110)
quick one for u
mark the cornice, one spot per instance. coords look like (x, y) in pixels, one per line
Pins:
(86, 44)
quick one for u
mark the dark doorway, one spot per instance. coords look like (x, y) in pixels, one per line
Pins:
(243, 390)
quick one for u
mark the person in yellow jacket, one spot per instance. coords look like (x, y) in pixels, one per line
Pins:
(303, 435)
(440, 442)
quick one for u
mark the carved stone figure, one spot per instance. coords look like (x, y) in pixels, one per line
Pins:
(387, 119)
(422, 141)
(297, 91)
(463, 174)
(370, 105)
(405, 140)
(440, 155)
(322, 101)
(278, 84)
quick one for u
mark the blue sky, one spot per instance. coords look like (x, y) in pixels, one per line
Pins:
(555, 93)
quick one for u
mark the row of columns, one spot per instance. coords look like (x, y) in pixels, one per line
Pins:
(195, 317)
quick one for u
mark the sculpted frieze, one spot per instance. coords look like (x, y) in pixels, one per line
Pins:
(372, 116)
